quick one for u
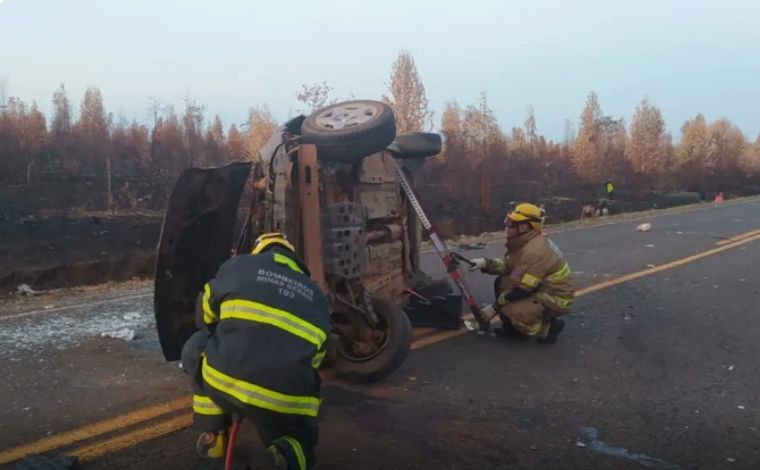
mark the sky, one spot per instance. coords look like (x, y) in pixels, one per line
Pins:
(687, 57)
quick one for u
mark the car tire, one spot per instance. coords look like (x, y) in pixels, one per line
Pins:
(395, 351)
(350, 130)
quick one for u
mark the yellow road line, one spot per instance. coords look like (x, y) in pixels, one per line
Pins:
(664, 267)
(92, 430)
(736, 241)
(132, 438)
(442, 336)
(738, 237)
(137, 436)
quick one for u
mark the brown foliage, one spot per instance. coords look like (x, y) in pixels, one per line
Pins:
(598, 150)
(407, 96)
(649, 145)
(261, 125)
(480, 170)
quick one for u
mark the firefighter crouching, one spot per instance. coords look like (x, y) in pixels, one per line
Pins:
(265, 324)
(535, 284)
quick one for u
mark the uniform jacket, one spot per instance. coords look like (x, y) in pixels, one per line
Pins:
(534, 264)
(270, 322)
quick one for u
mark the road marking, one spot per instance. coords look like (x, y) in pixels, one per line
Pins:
(72, 307)
(140, 435)
(93, 430)
(437, 338)
(746, 238)
(738, 237)
(132, 438)
(666, 266)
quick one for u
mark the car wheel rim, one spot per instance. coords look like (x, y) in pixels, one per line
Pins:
(346, 116)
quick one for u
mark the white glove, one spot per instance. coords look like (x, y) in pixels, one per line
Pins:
(478, 263)
(488, 312)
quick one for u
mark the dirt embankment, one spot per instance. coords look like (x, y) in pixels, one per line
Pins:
(54, 252)
(452, 221)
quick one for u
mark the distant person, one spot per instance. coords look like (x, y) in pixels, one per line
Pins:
(535, 283)
(609, 189)
(603, 209)
(587, 211)
(719, 198)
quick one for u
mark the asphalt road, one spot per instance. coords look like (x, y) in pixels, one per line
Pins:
(658, 372)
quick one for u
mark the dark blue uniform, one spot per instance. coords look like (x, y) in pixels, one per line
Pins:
(266, 325)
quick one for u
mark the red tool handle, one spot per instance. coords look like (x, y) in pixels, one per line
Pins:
(441, 248)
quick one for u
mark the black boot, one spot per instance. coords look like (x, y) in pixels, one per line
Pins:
(556, 325)
(507, 330)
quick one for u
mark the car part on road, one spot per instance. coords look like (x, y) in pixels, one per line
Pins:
(443, 251)
(196, 238)
(435, 305)
(350, 130)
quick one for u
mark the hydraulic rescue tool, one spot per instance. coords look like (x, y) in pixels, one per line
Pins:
(449, 258)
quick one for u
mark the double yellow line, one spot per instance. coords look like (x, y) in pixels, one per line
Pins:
(739, 237)
(175, 414)
(99, 428)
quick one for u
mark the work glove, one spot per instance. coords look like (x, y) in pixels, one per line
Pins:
(478, 263)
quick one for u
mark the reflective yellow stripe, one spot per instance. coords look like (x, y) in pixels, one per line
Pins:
(205, 406)
(297, 450)
(316, 361)
(534, 329)
(257, 312)
(530, 280)
(560, 275)
(256, 395)
(561, 302)
(496, 265)
(282, 259)
(209, 316)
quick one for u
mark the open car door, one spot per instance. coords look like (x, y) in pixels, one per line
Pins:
(196, 238)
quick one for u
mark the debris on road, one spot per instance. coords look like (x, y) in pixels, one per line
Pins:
(470, 246)
(730, 459)
(741, 407)
(131, 316)
(731, 367)
(580, 444)
(605, 449)
(649, 245)
(651, 266)
(644, 227)
(26, 289)
(126, 334)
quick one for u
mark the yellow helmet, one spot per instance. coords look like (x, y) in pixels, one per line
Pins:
(268, 239)
(526, 212)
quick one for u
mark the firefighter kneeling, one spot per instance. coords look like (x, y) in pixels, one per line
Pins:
(535, 285)
(265, 324)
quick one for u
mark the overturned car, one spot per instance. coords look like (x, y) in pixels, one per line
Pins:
(329, 182)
